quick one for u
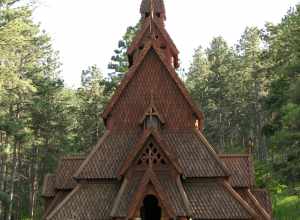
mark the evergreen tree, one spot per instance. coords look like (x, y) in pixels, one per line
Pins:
(119, 61)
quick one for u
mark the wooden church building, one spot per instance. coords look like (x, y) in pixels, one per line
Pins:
(153, 162)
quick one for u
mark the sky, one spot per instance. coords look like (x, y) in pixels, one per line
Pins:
(87, 32)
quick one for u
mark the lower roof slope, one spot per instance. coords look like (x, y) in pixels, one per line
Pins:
(130, 187)
(213, 200)
(66, 168)
(59, 197)
(87, 201)
(241, 169)
(48, 190)
(194, 156)
(207, 199)
(254, 203)
(264, 199)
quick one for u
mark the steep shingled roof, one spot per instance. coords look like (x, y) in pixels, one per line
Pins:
(67, 167)
(143, 33)
(49, 186)
(195, 157)
(216, 200)
(152, 46)
(188, 178)
(247, 195)
(80, 203)
(264, 199)
(240, 167)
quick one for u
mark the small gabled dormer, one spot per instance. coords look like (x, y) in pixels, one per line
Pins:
(152, 119)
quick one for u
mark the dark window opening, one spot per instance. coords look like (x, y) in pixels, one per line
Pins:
(158, 15)
(147, 14)
(150, 209)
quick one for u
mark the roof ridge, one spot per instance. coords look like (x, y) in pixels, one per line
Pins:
(184, 196)
(150, 176)
(118, 197)
(91, 154)
(139, 145)
(142, 32)
(73, 157)
(258, 205)
(235, 195)
(233, 155)
(170, 70)
(45, 185)
(65, 200)
(212, 152)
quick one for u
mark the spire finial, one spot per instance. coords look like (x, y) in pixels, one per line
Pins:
(250, 147)
(153, 8)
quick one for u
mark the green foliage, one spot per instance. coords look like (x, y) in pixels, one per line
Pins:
(283, 128)
(90, 98)
(4, 198)
(119, 61)
(287, 207)
(225, 83)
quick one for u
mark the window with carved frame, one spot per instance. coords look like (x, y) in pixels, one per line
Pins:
(152, 120)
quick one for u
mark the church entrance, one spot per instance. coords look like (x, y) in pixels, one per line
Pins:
(150, 209)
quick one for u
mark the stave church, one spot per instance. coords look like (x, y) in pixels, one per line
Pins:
(154, 162)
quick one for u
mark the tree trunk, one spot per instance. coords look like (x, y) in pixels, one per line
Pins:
(12, 181)
(34, 182)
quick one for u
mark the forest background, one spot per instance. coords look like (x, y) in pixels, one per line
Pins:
(249, 93)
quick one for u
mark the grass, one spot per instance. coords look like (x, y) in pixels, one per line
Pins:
(287, 208)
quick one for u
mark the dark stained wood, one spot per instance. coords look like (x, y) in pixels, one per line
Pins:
(172, 161)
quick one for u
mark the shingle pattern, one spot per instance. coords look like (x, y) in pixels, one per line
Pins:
(126, 196)
(158, 6)
(250, 199)
(211, 200)
(105, 162)
(49, 186)
(59, 197)
(143, 36)
(169, 185)
(87, 202)
(153, 76)
(240, 169)
(65, 171)
(193, 155)
(264, 199)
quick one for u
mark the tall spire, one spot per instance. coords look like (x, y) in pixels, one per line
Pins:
(153, 8)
